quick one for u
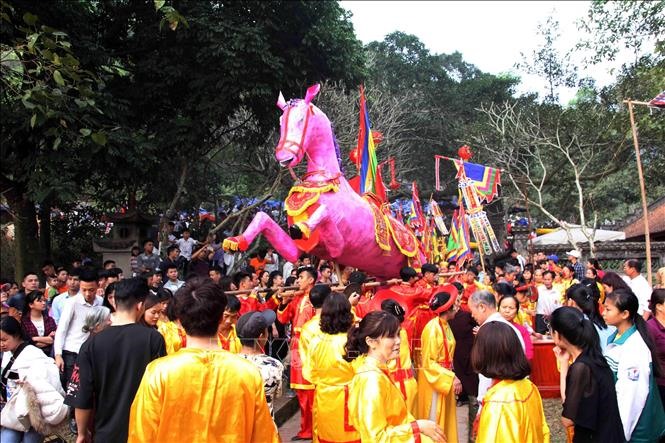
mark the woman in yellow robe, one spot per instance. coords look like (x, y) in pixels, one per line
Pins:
(437, 383)
(376, 407)
(331, 373)
(401, 368)
(512, 410)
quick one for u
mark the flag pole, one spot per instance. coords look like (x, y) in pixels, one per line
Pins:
(645, 213)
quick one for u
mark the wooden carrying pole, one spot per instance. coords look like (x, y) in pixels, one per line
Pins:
(371, 284)
(645, 213)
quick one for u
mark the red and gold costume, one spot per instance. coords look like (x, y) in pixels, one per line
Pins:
(415, 301)
(298, 312)
(376, 407)
(186, 396)
(331, 375)
(401, 372)
(469, 289)
(231, 342)
(436, 397)
(513, 411)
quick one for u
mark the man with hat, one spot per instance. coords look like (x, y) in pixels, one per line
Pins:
(252, 329)
(574, 259)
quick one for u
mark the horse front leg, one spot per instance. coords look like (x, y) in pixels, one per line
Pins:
(263, 224)
(322, 219)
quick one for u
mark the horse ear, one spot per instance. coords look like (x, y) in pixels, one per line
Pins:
(281, 103)
(311, 92)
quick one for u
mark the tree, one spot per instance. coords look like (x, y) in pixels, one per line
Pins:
(546, 61)
(49, 111)
(550, 155)
(614, 26)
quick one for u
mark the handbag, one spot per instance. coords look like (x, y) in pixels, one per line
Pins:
(14, 414)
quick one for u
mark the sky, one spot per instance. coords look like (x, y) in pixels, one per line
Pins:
(489, 34)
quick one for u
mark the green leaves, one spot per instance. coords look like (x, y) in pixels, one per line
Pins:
(99, 138)
(57, 76)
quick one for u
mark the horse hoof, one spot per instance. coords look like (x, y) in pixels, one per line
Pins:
(295, 232)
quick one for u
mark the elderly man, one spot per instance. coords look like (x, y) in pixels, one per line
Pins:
(483, 310)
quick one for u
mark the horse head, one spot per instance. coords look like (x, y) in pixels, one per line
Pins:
(300, 121)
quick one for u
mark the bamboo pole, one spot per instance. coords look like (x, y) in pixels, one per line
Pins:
(372, 284)
(645, 211)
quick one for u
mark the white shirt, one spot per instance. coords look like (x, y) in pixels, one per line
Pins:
(58, 305)
(548, 300)
(642, 289)
(286, 270)
(173, 286)
(186, 247)
(70, 336)
(270, 267)
(485, 383)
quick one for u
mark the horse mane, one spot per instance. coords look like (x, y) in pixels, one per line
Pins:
(338, 153)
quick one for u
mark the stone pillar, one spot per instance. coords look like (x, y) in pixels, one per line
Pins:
(521, 239)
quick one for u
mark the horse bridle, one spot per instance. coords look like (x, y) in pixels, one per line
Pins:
(289, 145)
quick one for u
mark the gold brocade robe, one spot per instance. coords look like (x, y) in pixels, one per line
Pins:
(376, 407)
(173, 335)
(201, 396)
(401, 372)
(309, 333)
(512, 411)
(331, 375)
(436, 398)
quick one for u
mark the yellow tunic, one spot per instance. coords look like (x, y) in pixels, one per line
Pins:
(513, 412)
(173, 335)
(331, 375)
(202, 396)
(230, 343)
(376, 407)
(309, 332)
(436, 398)
(401, 372)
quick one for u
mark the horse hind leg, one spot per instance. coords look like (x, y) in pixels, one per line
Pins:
(329, 234)
(263, 224)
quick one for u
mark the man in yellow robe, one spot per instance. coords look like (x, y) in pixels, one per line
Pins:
(437, 383)
(201, 393)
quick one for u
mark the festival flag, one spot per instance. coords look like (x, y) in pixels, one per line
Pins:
(417, 206)
(453, 243)
(205, 215)
(486, 179)
(435, 210)
(366, 149)
(658, 101)
(464, 243)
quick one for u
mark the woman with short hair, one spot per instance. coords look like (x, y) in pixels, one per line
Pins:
(512, 409)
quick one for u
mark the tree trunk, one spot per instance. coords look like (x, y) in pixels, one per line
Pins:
(27, 251)
(45, 229)
(170, 212)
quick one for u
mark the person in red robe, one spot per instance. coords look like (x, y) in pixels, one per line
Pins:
(297, 309)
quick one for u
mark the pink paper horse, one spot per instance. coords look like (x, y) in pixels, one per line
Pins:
(327, 217)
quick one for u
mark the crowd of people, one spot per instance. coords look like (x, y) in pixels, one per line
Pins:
(196, 347)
